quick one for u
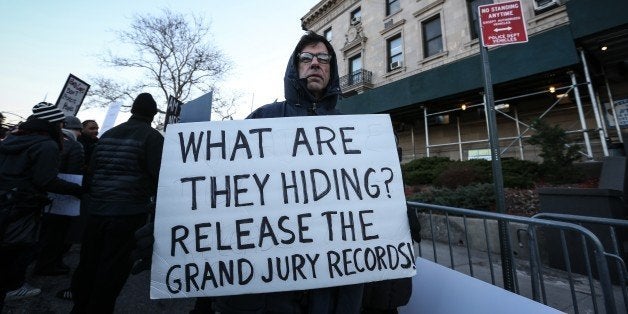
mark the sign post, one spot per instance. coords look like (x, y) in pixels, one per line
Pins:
(500, 24)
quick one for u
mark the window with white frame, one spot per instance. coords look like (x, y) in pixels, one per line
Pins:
(394, 47)
(432, 36)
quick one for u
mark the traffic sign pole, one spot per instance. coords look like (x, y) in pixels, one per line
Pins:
(500, 24)
(498, 179)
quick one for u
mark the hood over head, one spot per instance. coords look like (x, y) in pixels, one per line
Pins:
(295, 89)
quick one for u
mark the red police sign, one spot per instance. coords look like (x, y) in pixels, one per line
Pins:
(502, 24)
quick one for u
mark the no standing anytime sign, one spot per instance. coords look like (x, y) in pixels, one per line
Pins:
(502, 24)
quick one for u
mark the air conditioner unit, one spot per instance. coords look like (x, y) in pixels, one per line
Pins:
(540, 5)
(356, 20)
(395, 64)
(388, 24)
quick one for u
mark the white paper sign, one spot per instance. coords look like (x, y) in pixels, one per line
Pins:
(110, 118)
(66, 205)
(279, 204)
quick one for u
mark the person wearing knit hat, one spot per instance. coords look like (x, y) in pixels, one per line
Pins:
(47, 111)
(32, 152)
(54, 238)
(144, 105)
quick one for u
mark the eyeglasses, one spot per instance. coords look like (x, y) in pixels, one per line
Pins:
(307, 57)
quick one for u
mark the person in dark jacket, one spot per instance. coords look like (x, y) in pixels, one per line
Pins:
(88, 138)
(28, 169)
(122, 182)
(311, 87)
(53, 240)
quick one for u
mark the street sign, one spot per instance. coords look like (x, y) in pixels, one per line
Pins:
(502, 24)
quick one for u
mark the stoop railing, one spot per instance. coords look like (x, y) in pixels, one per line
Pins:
(466, 240)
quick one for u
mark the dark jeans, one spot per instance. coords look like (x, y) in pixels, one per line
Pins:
(53, 242)
(105, 262)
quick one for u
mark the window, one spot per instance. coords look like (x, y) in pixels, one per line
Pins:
(327, 34)
(395, 54)
(392, 6)
(356, 16)
(474, 25)
(432, 37)
(355, 69)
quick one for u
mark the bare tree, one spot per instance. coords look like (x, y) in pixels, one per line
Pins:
(172, 53)
(224, 104)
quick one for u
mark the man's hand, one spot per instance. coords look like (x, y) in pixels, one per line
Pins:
(143, 252)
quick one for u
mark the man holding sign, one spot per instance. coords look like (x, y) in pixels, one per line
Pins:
(311, 87)
(287, 216)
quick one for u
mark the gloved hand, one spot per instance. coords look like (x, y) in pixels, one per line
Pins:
(415, 225)
(142, 254)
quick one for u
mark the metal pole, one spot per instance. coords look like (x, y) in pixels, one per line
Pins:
(599, 108)
(583, 123)
(413, 143)
(427, 135)
(594, 103)
(518, 132)
(612, 104)
(459, 138)
(498, 180)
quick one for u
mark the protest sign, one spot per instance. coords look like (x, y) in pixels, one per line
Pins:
(66, 205)
(72, 95)
(172, 111)
(279, 204)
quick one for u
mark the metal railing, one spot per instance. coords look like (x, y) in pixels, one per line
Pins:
(615, 244)
(468, 240)
(359, 77)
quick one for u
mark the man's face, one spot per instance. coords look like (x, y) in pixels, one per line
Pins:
(91, 129)
(316, 73)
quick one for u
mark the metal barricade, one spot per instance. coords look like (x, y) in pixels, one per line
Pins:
(613, 253)
(467, 238)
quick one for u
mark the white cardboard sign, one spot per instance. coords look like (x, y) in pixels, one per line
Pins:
(66, 205)
(279, 204)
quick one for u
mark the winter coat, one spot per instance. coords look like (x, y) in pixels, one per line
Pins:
(123, 172)
(28, 169)
(89, 143)
(299, 102)
(30, 162)
(72, 156)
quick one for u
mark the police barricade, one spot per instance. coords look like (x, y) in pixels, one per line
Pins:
(467, 241)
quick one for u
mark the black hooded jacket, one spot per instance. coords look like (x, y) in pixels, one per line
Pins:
(299, 101)
(30, 161)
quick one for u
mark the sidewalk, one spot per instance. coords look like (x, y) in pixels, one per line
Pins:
(133, 299)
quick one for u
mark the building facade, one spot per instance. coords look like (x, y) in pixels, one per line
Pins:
(419, 61)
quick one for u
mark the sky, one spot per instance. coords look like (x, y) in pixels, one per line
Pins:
(44, 41)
